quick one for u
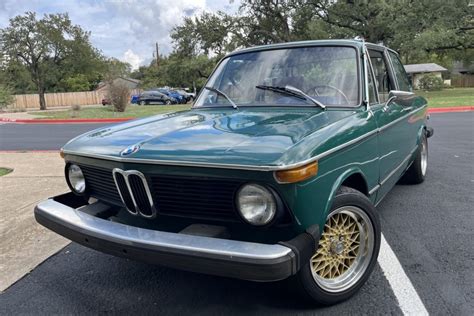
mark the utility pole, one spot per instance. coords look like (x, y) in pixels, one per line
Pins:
(157, 55)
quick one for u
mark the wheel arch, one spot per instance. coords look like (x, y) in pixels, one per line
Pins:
(353, 178)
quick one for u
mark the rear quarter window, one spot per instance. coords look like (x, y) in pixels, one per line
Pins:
(400, 74)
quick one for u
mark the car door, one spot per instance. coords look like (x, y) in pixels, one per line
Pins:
(412, 123)
(392, 148)
(156, 97)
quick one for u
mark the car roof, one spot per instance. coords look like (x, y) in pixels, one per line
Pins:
(359, 44)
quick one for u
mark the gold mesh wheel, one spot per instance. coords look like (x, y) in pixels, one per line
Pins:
(345, 249)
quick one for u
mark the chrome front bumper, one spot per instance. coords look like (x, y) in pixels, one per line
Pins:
(231, 258)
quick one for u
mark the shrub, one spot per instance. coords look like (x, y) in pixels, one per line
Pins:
(75, 109)
(119, 94)
(6, 97)
(430, 83)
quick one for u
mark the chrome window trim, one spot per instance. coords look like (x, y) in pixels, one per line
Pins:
(137, 211)
(243, 167)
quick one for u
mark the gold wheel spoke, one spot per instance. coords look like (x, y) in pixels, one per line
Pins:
(338, 246)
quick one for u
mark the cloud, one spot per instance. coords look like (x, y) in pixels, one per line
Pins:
(133, 59)
(127, 30)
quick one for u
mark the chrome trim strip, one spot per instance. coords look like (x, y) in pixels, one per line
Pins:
(374, 189)
(237, 166)
(398, 167)
(157, 240)
(142, 177)
(378, 186)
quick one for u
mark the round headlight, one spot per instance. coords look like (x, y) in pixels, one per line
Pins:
(76, 179)
(256, 204)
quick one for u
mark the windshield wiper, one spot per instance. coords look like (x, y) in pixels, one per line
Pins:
(222, 94)
(295, 92)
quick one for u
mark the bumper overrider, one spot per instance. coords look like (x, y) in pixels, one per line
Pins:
(223, 257)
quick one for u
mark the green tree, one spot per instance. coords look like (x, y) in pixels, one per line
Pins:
(421, 30)
(6, 97)
(47, 48)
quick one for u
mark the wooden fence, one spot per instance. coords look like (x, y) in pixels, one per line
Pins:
(24, 101)
(462, 81)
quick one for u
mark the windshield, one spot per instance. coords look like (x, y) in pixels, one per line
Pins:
(326, 74)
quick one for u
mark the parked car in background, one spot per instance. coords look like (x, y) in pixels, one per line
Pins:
(149, 97)
(173, 94)
(275, 171)
(106, 101)
(134, 99)
(188, 96)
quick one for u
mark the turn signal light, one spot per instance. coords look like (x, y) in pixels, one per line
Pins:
(298, 174)
(61, 153)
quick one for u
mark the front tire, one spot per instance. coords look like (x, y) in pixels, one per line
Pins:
(347, 252)
(416, 173)
(142, 103)
(167, 102)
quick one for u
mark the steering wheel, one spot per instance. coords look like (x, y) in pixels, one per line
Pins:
(315, 90)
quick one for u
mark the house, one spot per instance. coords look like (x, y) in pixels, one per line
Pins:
(417, 71)
(461, 68)
(103, 87)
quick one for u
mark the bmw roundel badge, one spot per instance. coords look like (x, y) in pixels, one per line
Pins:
(130, 150)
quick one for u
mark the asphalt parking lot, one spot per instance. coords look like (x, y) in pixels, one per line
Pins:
(429, 227)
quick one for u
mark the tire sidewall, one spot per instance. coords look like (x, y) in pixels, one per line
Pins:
(314, 291)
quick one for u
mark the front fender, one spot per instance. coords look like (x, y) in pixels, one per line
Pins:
(337, 184)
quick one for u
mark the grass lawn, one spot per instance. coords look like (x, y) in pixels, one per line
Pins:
(448, 97)
(4, 171)
(108, 111)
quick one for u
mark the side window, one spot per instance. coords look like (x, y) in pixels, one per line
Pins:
(402, 78)
(382, 78)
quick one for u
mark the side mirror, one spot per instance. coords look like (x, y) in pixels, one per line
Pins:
(402, 97)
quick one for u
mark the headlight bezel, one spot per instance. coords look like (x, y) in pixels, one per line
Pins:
(276, 200)
(68, 180)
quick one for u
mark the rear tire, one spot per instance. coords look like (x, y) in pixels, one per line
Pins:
(347, 251)
(167, 102)
(417, 171)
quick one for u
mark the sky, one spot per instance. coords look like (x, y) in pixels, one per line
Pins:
(123, 29)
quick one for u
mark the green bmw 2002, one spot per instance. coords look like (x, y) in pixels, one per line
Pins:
(274, 172)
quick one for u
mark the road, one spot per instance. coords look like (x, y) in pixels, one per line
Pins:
(40, 136)
(429, 227)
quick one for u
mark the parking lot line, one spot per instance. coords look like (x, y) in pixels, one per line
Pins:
(407, 297)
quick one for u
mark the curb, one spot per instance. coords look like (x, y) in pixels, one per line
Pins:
(63, 121)
(123, 119)
(452, 109)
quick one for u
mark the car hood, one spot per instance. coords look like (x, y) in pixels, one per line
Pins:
(249, 136)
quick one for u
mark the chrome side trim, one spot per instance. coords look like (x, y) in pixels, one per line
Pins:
(399, 166)
(374, 189)
(237, 166)
(157, 240)
(142, 177)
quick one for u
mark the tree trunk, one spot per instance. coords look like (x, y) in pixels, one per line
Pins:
(41, 99)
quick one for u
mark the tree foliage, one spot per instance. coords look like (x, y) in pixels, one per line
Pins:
(6, 97)
(419, 29)
(51, 54)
